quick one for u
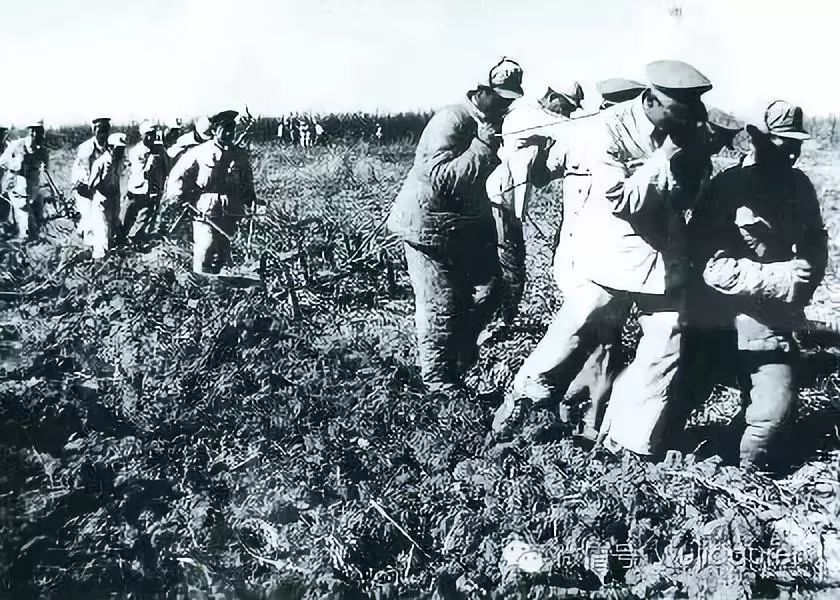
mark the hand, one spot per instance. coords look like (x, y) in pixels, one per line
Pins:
(543, 142)
(800, 271)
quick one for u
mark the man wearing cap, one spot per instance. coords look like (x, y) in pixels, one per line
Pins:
(645, 165)
(147, 168)
(443, 215)
(527, 132)
(616, 90)
(22, 163)
(759, 239)
(87, 152)
(216, 181)
(104, 184)
(200, 133)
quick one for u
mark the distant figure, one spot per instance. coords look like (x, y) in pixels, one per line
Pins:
(294, 130)
(22, 162)
(87, 153)
(305, 133)
(378, 133)
(319, 132)
(281, 130)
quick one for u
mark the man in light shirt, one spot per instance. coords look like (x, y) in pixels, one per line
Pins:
(105, 188)
(87, 153)
(22, 163)
(147, 167)
(526, 136)
(629, 248)
(216, 180)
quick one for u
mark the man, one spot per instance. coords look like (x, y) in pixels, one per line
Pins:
(104, 185)
(443, 215)
(22, 163)
(629, 248)
(761, 243)
(216, 181)
(5, 207)
(199, 134)
(171, 132)
(617, 90)
(526, 132)
(87, 153)
(147, 168)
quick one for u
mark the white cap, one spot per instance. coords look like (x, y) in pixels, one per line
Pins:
(571, 90)
(117, 140)
(202, 126)
(147, 127)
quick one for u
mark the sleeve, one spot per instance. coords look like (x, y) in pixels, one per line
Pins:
(451, 169)
(80, 172)
(632, 188)
(247, 191)
(6, 158)
(181, 183)
(812, 242)
(97, 173)
(744, 277)
(521, 162)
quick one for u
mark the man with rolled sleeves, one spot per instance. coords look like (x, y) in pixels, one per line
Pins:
(87, 152)
(443, 215)
(630, 248)
(22, 163)
(526, 136)
(147, 167)
(760, 241)
(216, 181)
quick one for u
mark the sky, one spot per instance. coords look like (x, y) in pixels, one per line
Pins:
(67, 62)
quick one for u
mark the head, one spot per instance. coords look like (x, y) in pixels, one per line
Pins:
(720, 131)
(203, 128)
(223, 127)
(490, 103)
(148, 133)
(563, 99)
(36, 133)
(116, 142)
(779, 140)
(616, 90)
(101, 130)
(493, 95)
(678, 115)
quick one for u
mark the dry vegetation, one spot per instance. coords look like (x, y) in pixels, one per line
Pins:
(161, 436)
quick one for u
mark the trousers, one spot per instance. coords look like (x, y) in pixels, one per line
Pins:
(455, 298)
(635, 417)
(140, 210)
(512, 254)
(101, 222)
(212, 232)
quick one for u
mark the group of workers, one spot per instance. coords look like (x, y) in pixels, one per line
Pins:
(721, 265)
(117, 191)
(300, 129)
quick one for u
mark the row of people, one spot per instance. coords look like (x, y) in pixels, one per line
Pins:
(644, 225)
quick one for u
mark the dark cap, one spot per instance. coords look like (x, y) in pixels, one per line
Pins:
(505, 78)
(99, 120)
(223, 118)
(617, 89)
(677, 80)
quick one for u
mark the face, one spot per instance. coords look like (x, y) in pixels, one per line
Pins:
(558, 103)
(37, 135)
(224, 132)
(491, 104)
(149, 138)
(102, 131)
(678, 118)
(775, 149)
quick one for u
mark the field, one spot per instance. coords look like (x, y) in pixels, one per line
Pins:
(167, 437)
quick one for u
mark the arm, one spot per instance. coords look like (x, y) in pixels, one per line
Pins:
(450, 167)
(812, 242)
(181, 183)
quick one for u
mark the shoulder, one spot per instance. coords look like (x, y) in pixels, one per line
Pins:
(85, 148)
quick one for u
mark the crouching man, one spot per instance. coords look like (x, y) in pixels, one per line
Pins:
(443, 215)
(760, 241)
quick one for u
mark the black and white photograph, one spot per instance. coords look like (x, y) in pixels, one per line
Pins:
(419, 299)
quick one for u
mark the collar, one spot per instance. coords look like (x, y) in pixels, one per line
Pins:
(644, 125)
(474, 111)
